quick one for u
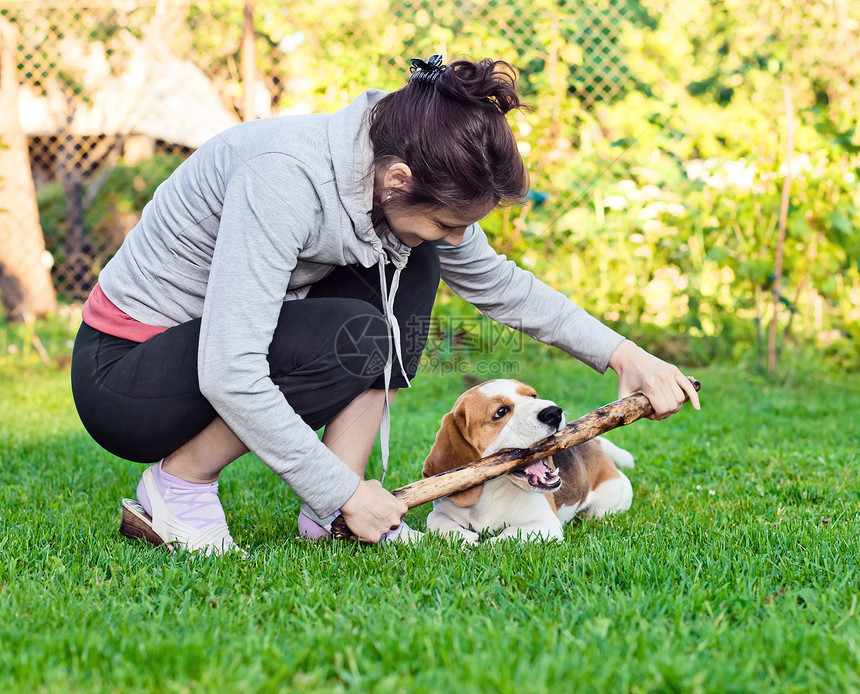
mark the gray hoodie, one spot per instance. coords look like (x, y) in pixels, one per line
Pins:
(252, 219)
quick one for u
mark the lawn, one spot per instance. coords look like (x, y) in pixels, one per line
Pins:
(736, 570)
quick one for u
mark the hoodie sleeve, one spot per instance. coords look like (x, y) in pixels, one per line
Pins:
(516, 298)
(270, 210)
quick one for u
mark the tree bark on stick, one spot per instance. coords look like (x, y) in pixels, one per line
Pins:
(26, 288)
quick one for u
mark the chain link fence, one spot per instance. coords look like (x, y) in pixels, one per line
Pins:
(114, 94)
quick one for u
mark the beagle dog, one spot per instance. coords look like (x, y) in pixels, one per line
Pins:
(533, 503)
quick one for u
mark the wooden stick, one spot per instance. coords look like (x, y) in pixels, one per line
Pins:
(615, 414)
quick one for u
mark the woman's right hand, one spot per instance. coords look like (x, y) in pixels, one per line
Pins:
(372, 511)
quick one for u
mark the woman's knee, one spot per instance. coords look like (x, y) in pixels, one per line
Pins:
(332, 337)
(362, 341)
(326, 352)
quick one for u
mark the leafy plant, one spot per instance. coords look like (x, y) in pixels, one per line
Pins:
(654, 146)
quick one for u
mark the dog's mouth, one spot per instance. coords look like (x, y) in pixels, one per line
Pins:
(538, 476)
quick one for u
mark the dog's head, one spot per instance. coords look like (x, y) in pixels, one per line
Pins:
(487, 418)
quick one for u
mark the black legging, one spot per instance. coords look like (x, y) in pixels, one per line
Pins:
(142, 401)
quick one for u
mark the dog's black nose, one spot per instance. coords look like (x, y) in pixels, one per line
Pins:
(550, 415)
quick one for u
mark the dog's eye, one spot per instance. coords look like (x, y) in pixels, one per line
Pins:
(501, 412)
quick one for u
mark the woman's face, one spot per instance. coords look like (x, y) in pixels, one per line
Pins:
(414, 226)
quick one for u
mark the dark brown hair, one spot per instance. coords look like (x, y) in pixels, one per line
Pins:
(453, 135)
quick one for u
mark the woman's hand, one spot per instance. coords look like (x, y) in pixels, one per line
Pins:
(372, 511)
(663, 384)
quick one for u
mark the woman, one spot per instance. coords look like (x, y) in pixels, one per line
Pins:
(273, 285)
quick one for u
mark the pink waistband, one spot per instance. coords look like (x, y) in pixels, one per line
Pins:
(100, 313)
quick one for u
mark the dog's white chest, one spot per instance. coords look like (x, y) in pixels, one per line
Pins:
(501, 505)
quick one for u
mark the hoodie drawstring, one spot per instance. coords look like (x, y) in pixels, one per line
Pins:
(393, 334)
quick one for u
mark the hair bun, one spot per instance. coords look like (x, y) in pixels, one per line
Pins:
(448, 125)
(480, 83)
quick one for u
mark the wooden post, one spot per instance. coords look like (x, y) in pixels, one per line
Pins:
(783, 222)
(249, 60)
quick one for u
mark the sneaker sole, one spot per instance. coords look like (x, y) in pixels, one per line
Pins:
(137, 524)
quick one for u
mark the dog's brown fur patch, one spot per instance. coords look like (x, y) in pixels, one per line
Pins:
(582, 468)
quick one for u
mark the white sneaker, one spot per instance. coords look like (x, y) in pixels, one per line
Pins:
(163, 527)
(402, 534)
(314, 529)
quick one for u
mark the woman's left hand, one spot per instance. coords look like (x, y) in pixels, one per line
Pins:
(663, 384)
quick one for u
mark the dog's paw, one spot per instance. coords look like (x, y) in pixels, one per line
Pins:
(461, 536)
(467, 538)
(527, 535)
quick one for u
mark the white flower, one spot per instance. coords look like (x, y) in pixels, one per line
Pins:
(719, 174)
(291, 42)
(652, 210)
(799, 164)
(738, 174)
(615, 202)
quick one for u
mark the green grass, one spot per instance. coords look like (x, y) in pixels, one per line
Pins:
(736, 570)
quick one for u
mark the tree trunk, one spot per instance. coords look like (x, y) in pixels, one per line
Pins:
(26, 289)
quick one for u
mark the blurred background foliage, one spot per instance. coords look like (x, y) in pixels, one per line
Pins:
(656, 145)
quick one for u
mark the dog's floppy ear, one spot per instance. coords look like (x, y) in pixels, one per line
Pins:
(452, 450)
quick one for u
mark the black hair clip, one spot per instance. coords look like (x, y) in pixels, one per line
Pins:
(427, 71)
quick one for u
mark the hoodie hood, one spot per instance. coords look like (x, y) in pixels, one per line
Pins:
(352, 161)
